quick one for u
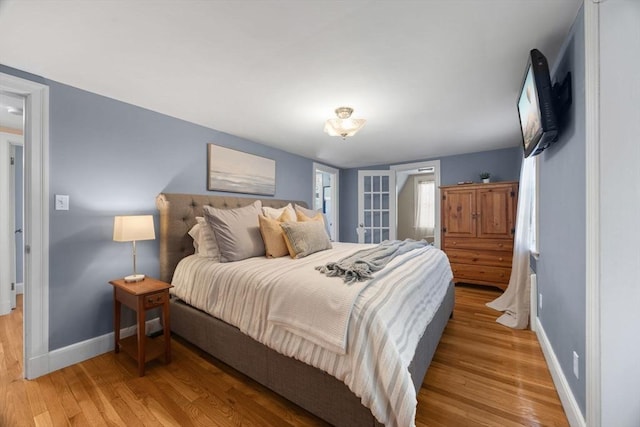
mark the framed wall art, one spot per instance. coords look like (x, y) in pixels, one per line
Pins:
(239, 172)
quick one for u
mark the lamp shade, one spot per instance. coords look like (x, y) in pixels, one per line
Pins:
(133, 227)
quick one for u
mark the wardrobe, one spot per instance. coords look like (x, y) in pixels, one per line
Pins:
(478, 226)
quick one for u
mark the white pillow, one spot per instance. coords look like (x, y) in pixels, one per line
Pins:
(273, 213)
(204, 240)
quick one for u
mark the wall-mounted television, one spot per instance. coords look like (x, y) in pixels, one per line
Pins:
(538, 116)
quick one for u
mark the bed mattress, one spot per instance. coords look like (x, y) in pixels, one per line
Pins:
(387, 319)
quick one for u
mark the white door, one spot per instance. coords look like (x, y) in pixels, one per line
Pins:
(6, 225)
(376, 201)
(326, 194)
(12, 220)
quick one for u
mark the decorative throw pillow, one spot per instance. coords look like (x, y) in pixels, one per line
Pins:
(272, 236)
(274, 213)
(304, 214)
(204, 240)
(305, 238)
(318, 217)
(237, 231)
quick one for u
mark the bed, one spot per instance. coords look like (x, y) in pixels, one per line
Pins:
(307, 386)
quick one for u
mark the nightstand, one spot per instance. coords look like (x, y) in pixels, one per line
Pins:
(141, 297)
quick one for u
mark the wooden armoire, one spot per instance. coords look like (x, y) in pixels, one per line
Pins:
(478, 226)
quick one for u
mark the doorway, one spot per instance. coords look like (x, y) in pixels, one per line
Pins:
(325, 196)
(36, 222)
(11, 197)
(417, 202)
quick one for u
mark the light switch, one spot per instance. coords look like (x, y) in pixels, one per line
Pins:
(62, 202)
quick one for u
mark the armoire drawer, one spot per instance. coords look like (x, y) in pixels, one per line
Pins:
(480, 273)
(478, 244)
(492, 258)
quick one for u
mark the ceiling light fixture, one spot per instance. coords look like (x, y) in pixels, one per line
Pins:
(344, 125)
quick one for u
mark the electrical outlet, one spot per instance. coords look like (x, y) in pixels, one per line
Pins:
(539, 301)
(576, 364)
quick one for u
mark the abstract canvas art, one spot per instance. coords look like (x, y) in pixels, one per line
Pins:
(239, 172)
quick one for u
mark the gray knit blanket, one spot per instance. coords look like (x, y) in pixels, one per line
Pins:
(360, 265)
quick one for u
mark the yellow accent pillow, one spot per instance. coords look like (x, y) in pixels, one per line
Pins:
(303, 218)
(272, 235)
(274, 213)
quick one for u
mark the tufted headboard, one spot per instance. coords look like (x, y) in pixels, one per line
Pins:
(178, 214)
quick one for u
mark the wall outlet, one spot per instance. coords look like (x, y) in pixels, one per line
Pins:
(539, 301)
(576, 364)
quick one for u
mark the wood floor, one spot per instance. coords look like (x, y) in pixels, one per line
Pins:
(483, 374)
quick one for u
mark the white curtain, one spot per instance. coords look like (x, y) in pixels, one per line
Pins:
(515, 300)
(425, 220)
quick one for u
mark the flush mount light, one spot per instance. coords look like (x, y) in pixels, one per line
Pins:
(344, 125)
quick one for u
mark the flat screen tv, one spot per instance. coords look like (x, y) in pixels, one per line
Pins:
(538, 118)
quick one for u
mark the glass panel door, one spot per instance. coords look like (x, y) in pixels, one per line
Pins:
(376, 217)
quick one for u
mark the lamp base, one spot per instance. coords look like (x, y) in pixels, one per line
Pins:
(134, 278)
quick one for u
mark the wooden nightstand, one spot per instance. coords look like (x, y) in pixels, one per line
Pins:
(140, 297)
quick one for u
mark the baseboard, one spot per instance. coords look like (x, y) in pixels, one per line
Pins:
(19, 288)
(569, 403)
(81, 351)
(5, 307)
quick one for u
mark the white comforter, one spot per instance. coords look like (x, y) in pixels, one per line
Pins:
(388, 317)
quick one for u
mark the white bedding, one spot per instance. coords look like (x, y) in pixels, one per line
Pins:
(386, 322)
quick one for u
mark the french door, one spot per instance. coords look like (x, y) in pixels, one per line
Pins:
(376, 201)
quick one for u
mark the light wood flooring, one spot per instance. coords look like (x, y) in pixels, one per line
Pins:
(482, 374)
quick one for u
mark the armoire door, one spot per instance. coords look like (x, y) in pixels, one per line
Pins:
(496, 207)
(459, 213)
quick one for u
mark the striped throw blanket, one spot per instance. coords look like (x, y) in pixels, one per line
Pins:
(362, 264)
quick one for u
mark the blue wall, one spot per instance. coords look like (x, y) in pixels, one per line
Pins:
(503, 164)
(562, 223)
(113, 158)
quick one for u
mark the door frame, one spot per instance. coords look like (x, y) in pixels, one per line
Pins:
(435, 164)
(335, 195)
(36, 222)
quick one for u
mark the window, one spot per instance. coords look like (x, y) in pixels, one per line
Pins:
(532, 177)
(425, 221)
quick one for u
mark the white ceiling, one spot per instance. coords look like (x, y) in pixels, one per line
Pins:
(433, 77)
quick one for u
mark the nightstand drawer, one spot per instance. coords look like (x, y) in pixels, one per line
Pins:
(154, 300)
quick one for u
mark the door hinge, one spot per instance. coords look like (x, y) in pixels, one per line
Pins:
(444, 197)
(444, 229)
(513, 194)
(513, 231)
(13, 286)
(13, 160)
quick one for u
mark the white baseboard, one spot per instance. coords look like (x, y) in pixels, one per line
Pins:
(569, 403)
(5, 307)
(37, 366)
(533, 304)
(19, 288)
(81, 351)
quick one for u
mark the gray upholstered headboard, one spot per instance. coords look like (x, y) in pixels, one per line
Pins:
(178, 214)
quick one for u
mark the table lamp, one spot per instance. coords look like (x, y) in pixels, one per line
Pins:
(130, 229)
